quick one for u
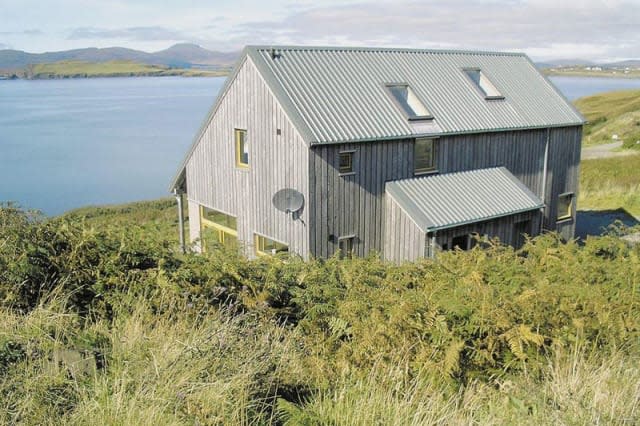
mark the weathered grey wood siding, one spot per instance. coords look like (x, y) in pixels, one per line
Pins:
(354, 204)
(345, 205)
(403, 239)
(563, 177)
(276, 162)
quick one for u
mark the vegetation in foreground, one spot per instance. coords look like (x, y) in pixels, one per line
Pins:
(613, 113)
(108, 324)
(81, 69)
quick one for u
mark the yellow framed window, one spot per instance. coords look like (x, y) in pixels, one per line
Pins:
(242, 148)
(424, 156)
(217, 228)
(266, 246)
(565, 206)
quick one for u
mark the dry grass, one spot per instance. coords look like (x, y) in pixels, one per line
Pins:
(615, 113)
(610, 184)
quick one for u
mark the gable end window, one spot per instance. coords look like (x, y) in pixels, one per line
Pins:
(405, 98)
(345, 162)
(483, 84)
(565, 206)
(424, 156)
(242, 148)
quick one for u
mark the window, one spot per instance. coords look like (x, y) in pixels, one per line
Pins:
(217, 227)
(345, 244)
(424, 156)
(565, 205)
(345, 163)
(407, 100)
(242, 148)
(461, 242)
(266, 246)
(483, 84)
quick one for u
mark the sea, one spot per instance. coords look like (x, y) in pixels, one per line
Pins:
(71, 143)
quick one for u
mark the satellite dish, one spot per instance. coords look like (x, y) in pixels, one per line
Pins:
(288, 200)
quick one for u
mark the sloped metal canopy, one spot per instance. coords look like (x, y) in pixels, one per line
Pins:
(456, 199)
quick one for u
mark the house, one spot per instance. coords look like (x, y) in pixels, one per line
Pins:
(398, 151)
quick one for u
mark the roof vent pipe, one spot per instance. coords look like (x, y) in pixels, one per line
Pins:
(273, 53)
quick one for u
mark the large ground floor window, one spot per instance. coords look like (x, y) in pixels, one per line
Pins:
(217, 228)
(267, 246)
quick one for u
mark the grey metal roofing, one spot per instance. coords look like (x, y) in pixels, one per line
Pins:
(449, 200)
(337, 94)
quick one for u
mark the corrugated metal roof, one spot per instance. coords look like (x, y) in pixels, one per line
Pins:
(335, 94)
(454, 199)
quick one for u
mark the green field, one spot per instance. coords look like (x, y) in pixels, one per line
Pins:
(615, 113)
(79, 69)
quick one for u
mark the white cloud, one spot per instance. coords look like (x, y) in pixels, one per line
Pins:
(592, 29)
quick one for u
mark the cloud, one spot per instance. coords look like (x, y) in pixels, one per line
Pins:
(548, 28)
(31, 32)
(4, 46)
(133, 33)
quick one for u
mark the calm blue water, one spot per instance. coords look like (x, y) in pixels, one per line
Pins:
(577, 87)
(70, 143)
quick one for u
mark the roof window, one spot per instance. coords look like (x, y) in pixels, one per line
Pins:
(408, 102)
(483, 84)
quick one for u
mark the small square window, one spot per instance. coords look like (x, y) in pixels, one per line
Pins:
(242, 148)
(407, 100)
(424, 156)
(483, 83)
(345, 163)
(565, 206)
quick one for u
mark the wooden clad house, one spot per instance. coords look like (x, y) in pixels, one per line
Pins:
(399, 151)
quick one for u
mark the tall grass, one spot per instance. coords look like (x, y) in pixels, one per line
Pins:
(103, 326)
(610, 184)
(608, 114)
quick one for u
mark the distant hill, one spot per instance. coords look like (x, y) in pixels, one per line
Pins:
(180, 55)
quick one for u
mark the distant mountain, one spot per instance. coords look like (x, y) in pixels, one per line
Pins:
(182, 55)
(632, 63)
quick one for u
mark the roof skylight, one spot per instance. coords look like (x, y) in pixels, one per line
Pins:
(407, 100)
(483, 84)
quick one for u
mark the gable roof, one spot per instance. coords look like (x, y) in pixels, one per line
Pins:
(338, 94)
(450, 200)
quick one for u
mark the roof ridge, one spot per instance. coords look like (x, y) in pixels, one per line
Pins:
(380, 49)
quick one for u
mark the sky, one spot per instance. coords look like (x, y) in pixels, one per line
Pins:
(597, 30)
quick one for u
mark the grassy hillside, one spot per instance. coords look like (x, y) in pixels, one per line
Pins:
(610, 184)
(102, 321)
(615, 113)
(80, 69)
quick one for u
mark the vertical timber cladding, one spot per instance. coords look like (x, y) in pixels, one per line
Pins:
(522, 153)
(352, 205)
(275, 162)
(563, 177)
(403, 239)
